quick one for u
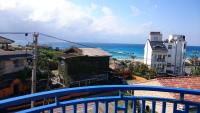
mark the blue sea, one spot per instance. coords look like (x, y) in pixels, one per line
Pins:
(119, 51)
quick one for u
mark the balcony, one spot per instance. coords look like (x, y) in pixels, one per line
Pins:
(160, 60)
(107, 103)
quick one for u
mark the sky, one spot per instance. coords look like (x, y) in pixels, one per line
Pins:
(101, 21)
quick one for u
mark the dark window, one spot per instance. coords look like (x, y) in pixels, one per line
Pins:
(169, 55)
(184, 45)
(169, 46)
(168, 64)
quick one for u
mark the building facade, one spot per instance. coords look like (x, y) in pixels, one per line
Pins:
(83, 65)
(165, 56)
(155, 52)
(176, 45)
(11, 63)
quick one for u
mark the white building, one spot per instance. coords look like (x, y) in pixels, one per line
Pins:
(155, 52)
(176, 46)
(168, 56)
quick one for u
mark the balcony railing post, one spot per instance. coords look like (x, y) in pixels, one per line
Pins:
(181, 96)
(115, 106)
(57, 101)
(63, 109)
(175, 108)
(153, 107)
(142, 108)
(125, 106)
(96, 107)
(85, 108)
(106, 107)
(198, 109)
(74, 108)
(134, 106)
(164, 107)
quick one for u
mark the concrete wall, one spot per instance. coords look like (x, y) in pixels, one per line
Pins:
(147, 54)
(11, 66)
(177, 53)
(155, 37)
(150, 58)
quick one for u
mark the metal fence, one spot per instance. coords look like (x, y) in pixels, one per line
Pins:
(106, 103)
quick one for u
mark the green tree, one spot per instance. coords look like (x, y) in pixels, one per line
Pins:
(194, 60)
(151, 73)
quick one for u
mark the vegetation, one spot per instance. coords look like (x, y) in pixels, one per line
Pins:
(195, 62)
(136, 68)
(47, 59)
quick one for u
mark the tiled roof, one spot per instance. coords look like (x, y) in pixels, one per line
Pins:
(158, 46)
(4, 40)
(182, 82)
(92, 52)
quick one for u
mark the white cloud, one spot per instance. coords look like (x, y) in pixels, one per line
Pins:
(106, 11)
(135, 11)
(64, 15)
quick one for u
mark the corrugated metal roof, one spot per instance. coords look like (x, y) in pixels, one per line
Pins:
(94, 52)
(4, 40)
(91, 52)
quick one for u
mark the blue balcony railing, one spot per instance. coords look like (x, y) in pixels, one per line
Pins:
(104, 99)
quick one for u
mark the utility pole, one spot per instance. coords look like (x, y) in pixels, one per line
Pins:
(34, 69)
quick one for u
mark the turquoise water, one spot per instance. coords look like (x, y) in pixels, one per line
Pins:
(119, 51)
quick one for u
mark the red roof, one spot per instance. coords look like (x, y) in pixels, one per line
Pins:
(182, 82)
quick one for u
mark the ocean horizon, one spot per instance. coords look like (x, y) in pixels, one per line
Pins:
(119, 51)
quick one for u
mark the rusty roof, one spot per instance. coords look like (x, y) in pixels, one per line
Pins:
(94, 52)
(191, 82)
(91, 52)
(4, 40)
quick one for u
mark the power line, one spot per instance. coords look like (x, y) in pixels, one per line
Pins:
(84, 45)
(50, 36)
(25, 33)
(61, 39)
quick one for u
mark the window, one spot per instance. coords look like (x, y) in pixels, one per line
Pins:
(169, 46)
(156, 38)
(169, 55)
(168, 64)
(185, 46)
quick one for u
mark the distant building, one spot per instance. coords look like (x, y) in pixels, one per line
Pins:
(4, 43)
(11, 62)
(166, 56)
(176, 45)
(155, 52)
(83, 66)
